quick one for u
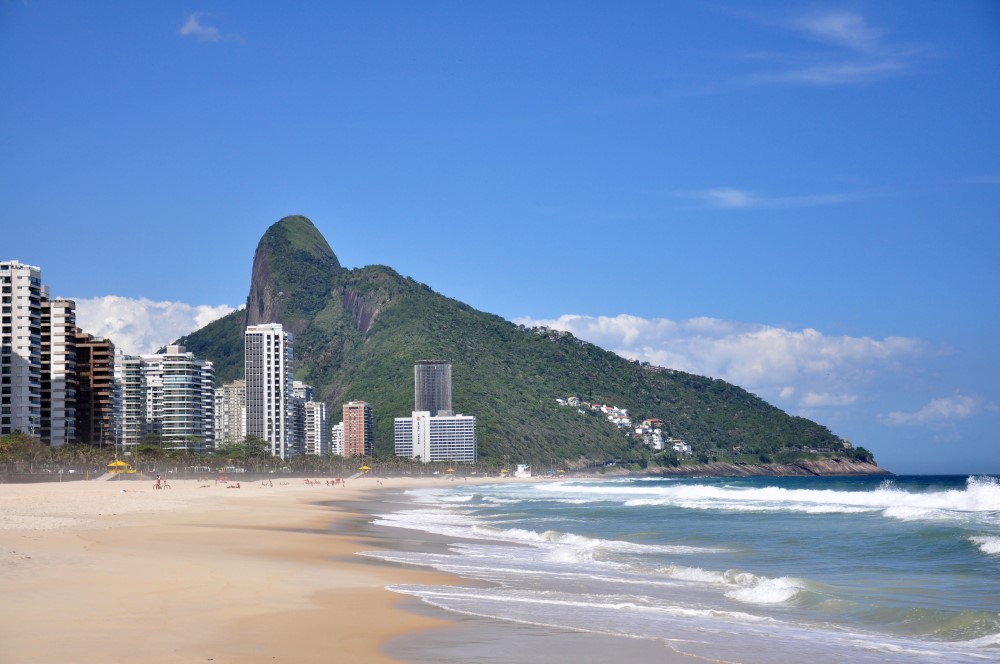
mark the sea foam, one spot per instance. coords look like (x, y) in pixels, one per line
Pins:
(980, 497)
(744, 586)
(988, 545)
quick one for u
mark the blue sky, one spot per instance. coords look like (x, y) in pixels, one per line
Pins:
(801, 198)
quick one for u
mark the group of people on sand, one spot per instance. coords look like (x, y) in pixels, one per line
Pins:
(161, 483)
(334, 482)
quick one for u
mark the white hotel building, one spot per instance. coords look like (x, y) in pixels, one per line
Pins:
(436, 437)
(434, 432)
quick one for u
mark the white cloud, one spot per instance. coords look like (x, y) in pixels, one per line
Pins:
(840, 28)
(736, 199)
(802, 369)
(957, 407)
(858, 52)
(143, 326)
(193, 27)
(836, 73)
(824, 399)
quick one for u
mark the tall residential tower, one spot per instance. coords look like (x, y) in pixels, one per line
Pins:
(268, 364)
(20, 348)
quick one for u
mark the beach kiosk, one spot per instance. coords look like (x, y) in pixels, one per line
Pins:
(120, 467)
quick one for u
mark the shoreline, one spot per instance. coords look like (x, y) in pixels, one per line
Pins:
(97, 571)
(101, 571)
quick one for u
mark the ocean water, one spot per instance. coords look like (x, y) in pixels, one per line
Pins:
(742, 570)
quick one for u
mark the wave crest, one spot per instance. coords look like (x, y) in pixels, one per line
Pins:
(745, 586)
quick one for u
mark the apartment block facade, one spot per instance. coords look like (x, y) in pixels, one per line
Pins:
(337, 439)
(268, 375)
(130, 392)
(359, 429)
(95, 395)
(231, 413)
(58, 422)
(180, 398)
(20, 348)
(316, 439)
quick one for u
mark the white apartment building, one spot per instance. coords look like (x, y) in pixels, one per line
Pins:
(268, 366)
(315, 439)
(130, 403)
(58, 426)
(180, 398)
(337, 439)
(436, 438)
(231, 413)
(296, 428)
(20, 348)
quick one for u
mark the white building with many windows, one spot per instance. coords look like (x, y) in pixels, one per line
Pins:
(230, 413)
(433, 432)
(268, 365)
(337, 439)
(315, 432)
(20, 348)
(130, 403)
(180, 398)
(58, 426)
(436, 438)
(403, 430)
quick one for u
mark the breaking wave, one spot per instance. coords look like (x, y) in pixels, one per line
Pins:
(981, 496)
(745, 587)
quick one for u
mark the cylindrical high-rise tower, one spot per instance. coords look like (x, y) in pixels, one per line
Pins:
(432, 387)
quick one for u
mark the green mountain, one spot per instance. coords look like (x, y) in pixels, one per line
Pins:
(358, 333)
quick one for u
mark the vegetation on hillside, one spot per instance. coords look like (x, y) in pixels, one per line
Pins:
(360, 332)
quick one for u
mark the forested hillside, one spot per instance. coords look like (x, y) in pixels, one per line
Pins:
(358, 333)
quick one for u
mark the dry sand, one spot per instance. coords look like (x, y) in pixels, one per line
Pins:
(115, 571)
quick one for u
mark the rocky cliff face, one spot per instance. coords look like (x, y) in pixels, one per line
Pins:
(263, 304)
(294, 271)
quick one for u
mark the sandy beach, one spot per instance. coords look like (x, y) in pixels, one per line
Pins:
(115, 571)
(109, 571)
